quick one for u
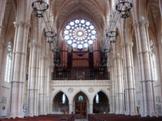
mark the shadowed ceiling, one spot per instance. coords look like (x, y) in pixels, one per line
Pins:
(95, 10)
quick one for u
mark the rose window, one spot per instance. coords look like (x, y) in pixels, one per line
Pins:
(80, 33)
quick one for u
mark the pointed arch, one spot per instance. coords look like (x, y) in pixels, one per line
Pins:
(104, 92)
(74, 94)
(102, 106)
(60, 106)
(81, 104)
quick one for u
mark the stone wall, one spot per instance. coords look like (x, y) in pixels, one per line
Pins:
(72, 87)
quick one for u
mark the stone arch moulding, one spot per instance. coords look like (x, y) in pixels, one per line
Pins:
(103, 91)
(84, 92)
(55, 93)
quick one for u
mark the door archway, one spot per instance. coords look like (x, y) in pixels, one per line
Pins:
(81, 105)
(100, 103)
(61, 103)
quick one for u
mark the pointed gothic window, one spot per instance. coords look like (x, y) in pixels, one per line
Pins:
(63, 99)
(97, 98)
(80, 98)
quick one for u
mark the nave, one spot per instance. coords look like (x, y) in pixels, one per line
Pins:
(75, 60)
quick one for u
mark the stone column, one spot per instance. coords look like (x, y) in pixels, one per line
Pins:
(117, 91)
(48, 74)
(18, 68)
(117, 83)
(130, 94)
(45, 84)
(2, 13)
(160, 5)
(70, 107)
(114, 84)
(160, 46)
(130, 82)
(36, 101)
(112, 100)
(42, 83)
(2, 51)
(120, 86)
(142, 40)
(90, 108)
(41, 87)
(125, 81)
(32, 78)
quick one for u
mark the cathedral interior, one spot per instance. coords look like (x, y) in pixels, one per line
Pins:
(97, 60)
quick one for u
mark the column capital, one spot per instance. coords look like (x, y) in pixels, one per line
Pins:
(117, 56)
(21, 23)
(129, 44)
(141, 22)
(33, 43)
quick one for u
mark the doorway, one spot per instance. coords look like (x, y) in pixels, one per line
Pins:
(81, 103)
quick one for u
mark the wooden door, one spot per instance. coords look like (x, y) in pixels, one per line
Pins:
(81, 109)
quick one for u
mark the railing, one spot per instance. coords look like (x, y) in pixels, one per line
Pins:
(80, 74)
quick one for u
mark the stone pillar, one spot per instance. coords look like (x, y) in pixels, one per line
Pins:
(1, 57)
(2, 13)
(160, 46)
(32, 78)
(130, 94)
(160, 5)
(45, 84)
(114, 84)
(112, 100)
(18, 68)
(2, 51)
(117, 82)
(41, 87)
(130, 85)
(91, 108)
(36, 101)
(142, 40)
(48, 74)
(120, 86)
(42, 83)
(70, 107)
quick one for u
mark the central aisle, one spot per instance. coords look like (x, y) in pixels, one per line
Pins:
(81, 119)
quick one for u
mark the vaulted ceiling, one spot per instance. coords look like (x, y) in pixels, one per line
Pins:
(95, 10)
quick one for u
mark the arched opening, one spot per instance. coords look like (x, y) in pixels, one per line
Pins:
(60, 103)
(100, 103)
(81, 105)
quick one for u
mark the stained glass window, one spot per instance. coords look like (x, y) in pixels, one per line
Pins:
(80, 33)
(63, 99)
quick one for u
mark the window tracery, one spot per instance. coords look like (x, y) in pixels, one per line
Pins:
(80, 33)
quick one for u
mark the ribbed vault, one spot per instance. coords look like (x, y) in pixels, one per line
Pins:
(65, 10)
